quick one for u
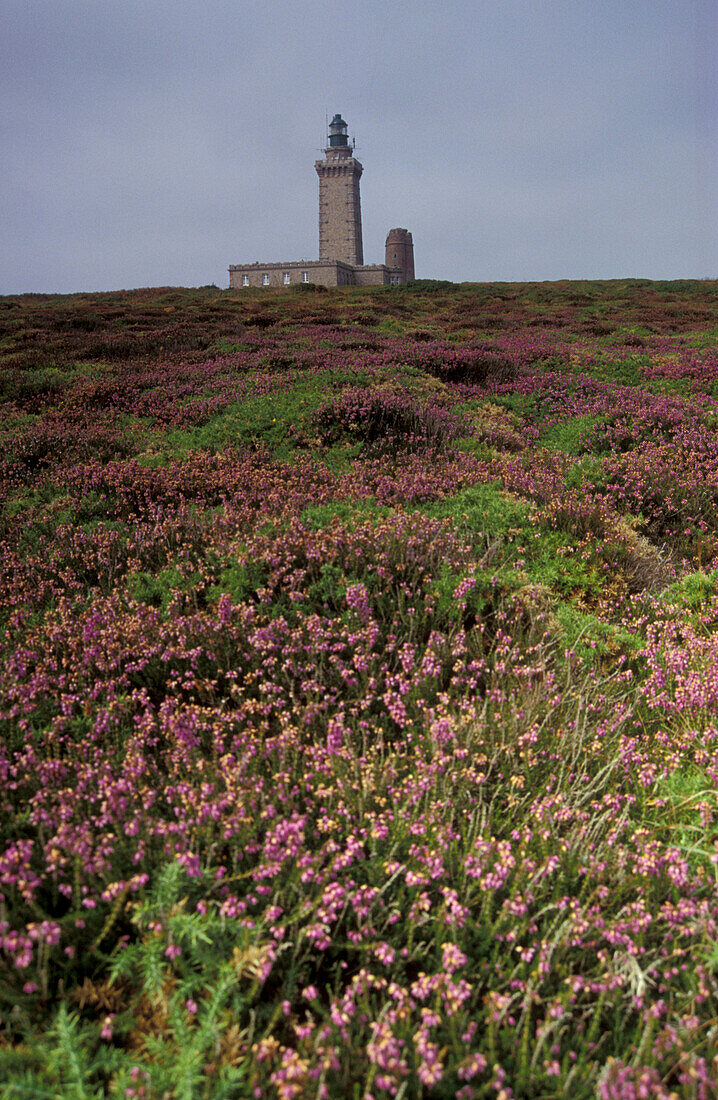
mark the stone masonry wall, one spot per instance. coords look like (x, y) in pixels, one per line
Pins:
(291, 274)
(340, 230)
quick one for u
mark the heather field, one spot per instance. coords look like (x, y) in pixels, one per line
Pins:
(359, 693)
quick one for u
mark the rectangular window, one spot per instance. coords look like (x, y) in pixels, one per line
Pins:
(285, 277)
(265, 280)
(245, 280)
(305, 276)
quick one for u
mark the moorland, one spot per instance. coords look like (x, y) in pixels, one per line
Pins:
(359, 692)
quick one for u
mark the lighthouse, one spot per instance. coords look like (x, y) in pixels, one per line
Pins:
(340, 236)
(341, 253)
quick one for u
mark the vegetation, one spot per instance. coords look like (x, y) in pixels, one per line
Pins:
(358, 692)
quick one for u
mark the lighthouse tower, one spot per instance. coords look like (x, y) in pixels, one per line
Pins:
(339, 173)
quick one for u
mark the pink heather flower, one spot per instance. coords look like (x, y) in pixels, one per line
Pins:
(464, 588)
(430, 1069)
(452, 957)
(224, 608)
(472, 1067)
(106, 1029)
(310, 993)
(335, 736)
(191, 1007)
(385, 953)
(357, 599)
(172, 951)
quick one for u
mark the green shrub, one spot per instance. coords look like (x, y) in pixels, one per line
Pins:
(427, 286)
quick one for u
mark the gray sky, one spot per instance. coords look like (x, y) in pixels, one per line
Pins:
(154, 142)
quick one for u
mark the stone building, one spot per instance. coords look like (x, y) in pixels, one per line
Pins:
(341, 252)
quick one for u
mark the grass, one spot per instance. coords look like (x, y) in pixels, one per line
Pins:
(267, 419)
(570, 436)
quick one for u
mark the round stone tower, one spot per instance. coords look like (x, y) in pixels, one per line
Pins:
(399, 253)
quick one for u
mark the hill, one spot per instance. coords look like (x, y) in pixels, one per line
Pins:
(358, 692)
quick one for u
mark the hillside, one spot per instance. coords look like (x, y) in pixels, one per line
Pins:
(358, 692)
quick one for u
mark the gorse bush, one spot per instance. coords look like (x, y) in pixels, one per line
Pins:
(423, 285)
(357, 699)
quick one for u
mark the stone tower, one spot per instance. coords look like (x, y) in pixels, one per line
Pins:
(399, 252)
(339, 200)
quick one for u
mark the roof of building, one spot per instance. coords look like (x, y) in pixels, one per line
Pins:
(398, 235)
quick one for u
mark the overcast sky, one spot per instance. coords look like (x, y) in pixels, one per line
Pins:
(154, 142)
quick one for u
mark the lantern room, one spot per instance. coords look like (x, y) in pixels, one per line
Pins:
(338, 133)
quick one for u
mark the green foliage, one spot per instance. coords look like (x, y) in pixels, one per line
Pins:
(44, 382)
(328, 590)
(240, 580)
(198, 975)
(393, 326)
(270, 420)
(693, 591)
(559, 564)
(309, 288)
(706, 339)
(520, 403)
(588, 473)
(487, 508)
(472, 446)
(624, 372)
(317, 516)
(681, 809)
(159, 588)
(591, 638)
(426, 286)
(339, 456)
(66, 1063)
(571, 435)
(504, 530)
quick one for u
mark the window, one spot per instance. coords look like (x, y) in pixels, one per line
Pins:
(245, 280)
(285, 277)
(265, 279)
(394, 280)
(305, 276)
